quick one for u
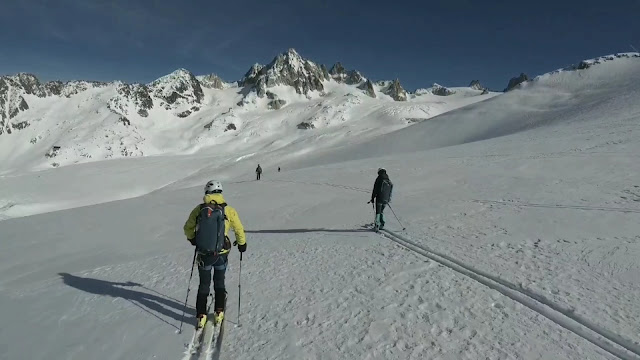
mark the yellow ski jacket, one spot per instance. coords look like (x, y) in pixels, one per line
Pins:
(231, 219)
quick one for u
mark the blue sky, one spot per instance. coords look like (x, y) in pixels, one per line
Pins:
(420, 42)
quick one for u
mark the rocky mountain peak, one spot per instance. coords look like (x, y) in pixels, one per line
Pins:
(396, 91)
(288, 68)
(516, 81)
(440, 90)
(349, 77)
(337, 69)
(179, 87)
(475, 85)
(211, 81)
(367, 86)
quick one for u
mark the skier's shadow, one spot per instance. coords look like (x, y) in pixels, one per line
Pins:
(295, 231)
(152, 304)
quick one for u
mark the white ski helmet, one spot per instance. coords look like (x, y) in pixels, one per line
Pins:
(382, 170)
(213, 186)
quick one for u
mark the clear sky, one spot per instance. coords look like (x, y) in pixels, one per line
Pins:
(449, 42)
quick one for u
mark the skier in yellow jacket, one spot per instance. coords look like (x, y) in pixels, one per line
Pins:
(216, 258)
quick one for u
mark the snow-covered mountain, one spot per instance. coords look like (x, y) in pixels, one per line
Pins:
(57, 124)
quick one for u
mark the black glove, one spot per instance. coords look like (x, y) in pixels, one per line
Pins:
(192, 241)
(242, 248)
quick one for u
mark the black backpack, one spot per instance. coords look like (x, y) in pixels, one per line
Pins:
(210, 236)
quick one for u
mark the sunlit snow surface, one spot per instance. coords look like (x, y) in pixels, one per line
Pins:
(538, 188)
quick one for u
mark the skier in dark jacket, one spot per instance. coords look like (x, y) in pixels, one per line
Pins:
(258, 172)
(381, 195)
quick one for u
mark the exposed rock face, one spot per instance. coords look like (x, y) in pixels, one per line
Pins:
(337, 70)
(177, 90)
(516, 81)
(53, 152)
(12, 91)
(179, 87)
(230, 127)
(11, 103)
(475, 85)
(354, 77)
(396, 91)
(53, 88)
(137, 95)
(325, 73)
(30, 84)
(306, 126)
(286, 69)
(276, 104)
(368, 88)
(585, 64)
(440, 90)
(184, 114)
(252, 76)
(340, 74)
(211, 81)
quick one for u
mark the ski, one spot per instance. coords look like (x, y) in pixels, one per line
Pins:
(195, 346)
(209, 334)
(372, 226)
(196, 340)
(213, 352)
(209, 351)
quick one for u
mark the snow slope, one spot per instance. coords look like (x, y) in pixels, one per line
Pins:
(263, 136)
(521, 242)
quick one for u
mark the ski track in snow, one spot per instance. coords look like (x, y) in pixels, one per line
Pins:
(557, 313)
(532, 301)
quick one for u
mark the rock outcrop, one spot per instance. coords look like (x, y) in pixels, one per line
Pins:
(367, 86)
(516, 81)
(396, 91)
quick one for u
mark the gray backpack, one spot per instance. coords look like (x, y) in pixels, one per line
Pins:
(210, 237)
(386, 188)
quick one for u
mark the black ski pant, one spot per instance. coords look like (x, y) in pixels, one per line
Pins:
(258, 176)
(207, 263)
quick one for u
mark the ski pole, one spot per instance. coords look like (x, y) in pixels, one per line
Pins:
(239, 289)
(193, 263)
(373, 206)
(394, 214)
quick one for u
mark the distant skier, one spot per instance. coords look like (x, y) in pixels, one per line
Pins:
(258, 172)
(278, 168)
(381, 195)
(207, 229)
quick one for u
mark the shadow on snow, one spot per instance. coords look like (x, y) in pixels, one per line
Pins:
(295, 231)
(150, 303)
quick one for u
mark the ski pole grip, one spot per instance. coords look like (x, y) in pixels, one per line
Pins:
(240, 256)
